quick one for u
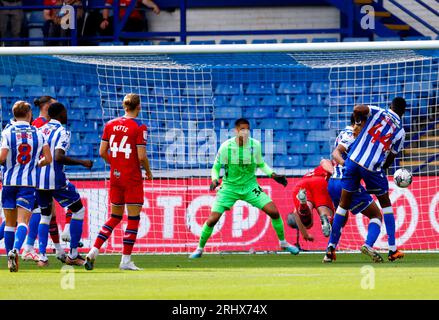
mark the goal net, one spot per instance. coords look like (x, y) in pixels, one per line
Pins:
(296, 103)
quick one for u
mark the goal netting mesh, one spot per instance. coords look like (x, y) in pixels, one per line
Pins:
(296, 103)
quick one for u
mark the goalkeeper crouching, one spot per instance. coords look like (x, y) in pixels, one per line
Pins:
(241, 156)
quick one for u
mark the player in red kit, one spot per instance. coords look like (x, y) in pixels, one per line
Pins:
(312, 192)
(123, 146)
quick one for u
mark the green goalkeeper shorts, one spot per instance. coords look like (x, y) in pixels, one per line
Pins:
(228, 195)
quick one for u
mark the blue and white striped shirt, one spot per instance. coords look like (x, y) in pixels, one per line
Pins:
(344, 138)
(25, 144)
(52, 177)
(382, 133)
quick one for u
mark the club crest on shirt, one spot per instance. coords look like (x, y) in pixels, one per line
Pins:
(116, 173)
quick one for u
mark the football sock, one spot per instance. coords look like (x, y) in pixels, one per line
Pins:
(9, 238)
(20, 235)
(373, 231)
(389, 221)
(278, 226)
(2, 230)
(43, 233)
(130, 235)
(53, 230)
(206, 232)
(337, 225)
(68, 216)
(106, 230)
(34, 222)
(76, 227)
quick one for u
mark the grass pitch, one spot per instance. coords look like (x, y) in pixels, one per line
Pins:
(269, 276)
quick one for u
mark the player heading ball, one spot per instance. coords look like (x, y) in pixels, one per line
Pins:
(241, 156)
(123, 146)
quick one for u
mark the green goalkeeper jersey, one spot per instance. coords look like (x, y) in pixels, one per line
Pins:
(240, 162)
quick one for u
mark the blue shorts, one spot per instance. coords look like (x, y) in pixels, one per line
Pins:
(13, 197)
(353, 173)
(360, 199)
(65, 196)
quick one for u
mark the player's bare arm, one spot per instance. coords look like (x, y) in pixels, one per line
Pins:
(307, 236)
(3, 155)
(47, 157)
(103, 151)
(337, 154)
(60, 156)
(327, 165)
(143, 159)
(390, 158)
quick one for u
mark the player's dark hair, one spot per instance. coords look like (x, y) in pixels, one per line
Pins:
(241, 121)
(39, 102)
(55, 109)
(352, 119)
(398, 105)
(21, 109)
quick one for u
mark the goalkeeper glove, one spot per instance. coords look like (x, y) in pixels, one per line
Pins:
(281, 179)
(214, 184)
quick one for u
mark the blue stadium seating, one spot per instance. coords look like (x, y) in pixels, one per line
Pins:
(76, 115)
(273, 123)
(260, 41)
(232, 41)
(5, 80)
(415, 38)
(86, 103)
(291, 88)
(228, 89)
(79, 150)
(91, 138)
(280, 147)
(290, 112)
(306, 124)
(197, 89)
(275, 101)
(260, 89)
(304, 148)
(228, 112)
(199, 42)
(319, 87)
(243, 101)
(169, 43)
(319, 112)
(94, 91)
(28, 80)
(259, 112)
(71, 91)
(324, 40)
(355, 39)
(308, 100)
(294, 40)
(293, 161)
(12, 92)
(287, 135)
(312, 161)
(319, 135)
(221, 101)
(38, 91)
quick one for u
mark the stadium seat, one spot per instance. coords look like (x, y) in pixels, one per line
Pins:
(387, 39)
(304, 148)
(260, 41)
(98, 165)
(386, 87)
(114, 43)
(260, 89)
(306, 124)
(168, 43)
(5, 80)
(416, 38)
(308, 100)
(290, 112)
(65, 102)
(320, 135)
(280, 147)
(35, 19)
(94, 91)
(94, 114)
(273, 123)
(287, 135)
(28, 80)
(199, 42)
(324, 40)
(12, 92)
(91, 138)
(79, 150)
(319, 87)
(318, 112)
(233, 41)
(312, 160)
(228, 89)
(275, 101)
(67, 91)
(165, 91)
(291, 88)
(76, 115)
(140, 43)
(37, 91)
(295, 40)
(198, 89)
(242, 101)
(258, 112)
(228, 112)
(86, 103)
(220, 101)
(355, 39)
(292, 161)
(355, 87)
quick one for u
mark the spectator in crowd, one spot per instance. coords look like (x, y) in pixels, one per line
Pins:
(53, 20)
(136, 21)
(11, 20)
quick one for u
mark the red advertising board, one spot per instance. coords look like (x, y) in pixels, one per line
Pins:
(175, 210)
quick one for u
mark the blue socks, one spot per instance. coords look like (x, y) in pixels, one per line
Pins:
(43, 233)
(9, 238)
(33, 228)
(76, 228)
(373, 231)
(2, 230)
(389, 220)
(20, 235)
(337, 225)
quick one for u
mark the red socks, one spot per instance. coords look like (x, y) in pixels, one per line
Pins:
(53, 230)
(106, 230)
(130, 234)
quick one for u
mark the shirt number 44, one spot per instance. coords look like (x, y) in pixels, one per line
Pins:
(385, 140)
(123, 147)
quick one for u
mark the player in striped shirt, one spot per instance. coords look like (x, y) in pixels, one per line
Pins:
(361, 200)
(21, 148)
(372, 152)
(53, 184)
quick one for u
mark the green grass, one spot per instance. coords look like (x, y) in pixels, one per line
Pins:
(271, 276)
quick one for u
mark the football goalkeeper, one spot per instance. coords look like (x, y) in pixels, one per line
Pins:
(241, 156)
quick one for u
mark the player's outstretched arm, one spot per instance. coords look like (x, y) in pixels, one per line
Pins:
(60, 156)
(327, 165)
(337, 154)
(143, 159)
(307, 236)
(3, 155)
(47, 157)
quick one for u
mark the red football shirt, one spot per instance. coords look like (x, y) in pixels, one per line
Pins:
(318, 172)
(39, 122)
(123, 136)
